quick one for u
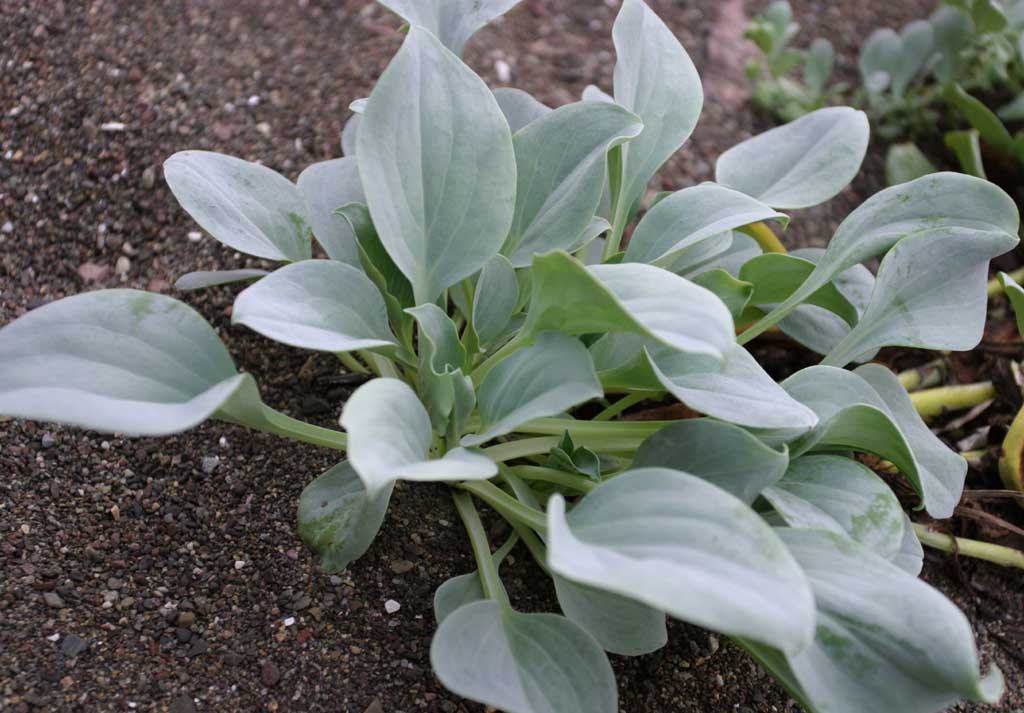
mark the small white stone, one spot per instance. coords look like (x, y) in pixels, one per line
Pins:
(53, 637)
(391, 606)
(112, 126)
(123, 265)
(195, 236)
(7, 227)
(239, 564)
(503, 71)
(210, 464)
(254, 100)
(290, 621)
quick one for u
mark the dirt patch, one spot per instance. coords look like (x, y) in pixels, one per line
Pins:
(164, 574)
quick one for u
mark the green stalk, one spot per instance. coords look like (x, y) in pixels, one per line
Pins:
(506, 506)
(997, 554)
(924, 376)
(289, 427)
(579, 483)
(933, 402)
(621, 430)
(520, 449)
(620, 213)
(764, 237)
(622, 404)
(381, 365)
(533, 544)
(485, 567)
(351, 363)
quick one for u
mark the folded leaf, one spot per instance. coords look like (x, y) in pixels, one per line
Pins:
(692, 215)
(495, 299)
(316, 304)
(451, 21)
(1015, 294)
(327, 186)
(682, 545)
(338, 519)
(560, 170)
(211, 278)
(735, 294)
(445, 390)
(840, 495)
(522, 663)
(435, 157)
(720, 453)
(546, 378)
(800, 164)
(775, 276)
(519, 107)
(390, 438)
(244, 205)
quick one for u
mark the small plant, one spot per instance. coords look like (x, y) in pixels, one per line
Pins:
(477, 267)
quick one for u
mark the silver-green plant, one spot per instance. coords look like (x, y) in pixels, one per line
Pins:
(477, 266)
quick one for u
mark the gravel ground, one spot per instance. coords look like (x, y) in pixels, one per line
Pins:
(164, 574)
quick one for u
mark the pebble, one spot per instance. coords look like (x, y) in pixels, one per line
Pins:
(210, 464)
(47, 440)
(401, 566)
(375, 707)
(123, 265)
(186, 619)
(254, 100)
(239, 564)
(290, 621)
(73, 645)
(53, 600)
(503, 71)
(270, 674)
(112, 126)
(149, 178)
(7, 227)
(198, 648)
(391, 606)
(195, 236)
(335, 580)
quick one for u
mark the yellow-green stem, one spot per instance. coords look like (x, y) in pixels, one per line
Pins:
(506, 505)
(351, 363)
(764, 237)
(933, 402)
(997, 554)
(996, 288)
(486, 569)
(579, 483)
(622, 404)
(924, 376)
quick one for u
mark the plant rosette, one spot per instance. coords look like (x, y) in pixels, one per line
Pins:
(477, 268)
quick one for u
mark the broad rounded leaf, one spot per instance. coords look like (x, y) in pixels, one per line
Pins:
(316, 304)
(327, 186)
(879, 56)
(338, 519)
(690, 216)
(656, 80)
(457, 592)
(390, 437)
(560, 173)
(120, 361)
(522, 663)
(917, 40)
(519, 107)
(546, 378)
(451, 21)
(801, 164)
(621, 625)
(906, 162)
(682, 545)
(824, 492)
(435, 157)
(244, 205)
(720, 453)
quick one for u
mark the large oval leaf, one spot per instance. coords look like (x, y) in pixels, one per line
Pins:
(546, 378)
(451, 21)
(560, 169)
(244, 205)
(522, 663)
(390, 438)
(640, 299)
(842, 496)
(620, 625)
(687, 217)
(720, 453)
(682, 545)
(656, 80)
(316, 304)
(338, 519)
(435, 157)
(122, 361)
(886, 641)
(801, 164)
(327, 186)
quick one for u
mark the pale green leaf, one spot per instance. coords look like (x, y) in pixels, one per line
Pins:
(1015, 294)
(211, 278)
(879, 56)
(905, 162)
(451, 21)
(910, 557)
(327, 186)
(495, 299)
(519, 107)
(444, 388)
(621, 625)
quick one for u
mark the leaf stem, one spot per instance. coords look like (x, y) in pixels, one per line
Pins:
(507, 506)
(490, 362)
(996, 288)
(486, 569)
(351, 363)
(924, 376)
(933, 402)
(622, 404)
(579, 483)
(622, 430)
(519, 449)
(764, 237)
(533, 544)
(997, 554)
(289, 427)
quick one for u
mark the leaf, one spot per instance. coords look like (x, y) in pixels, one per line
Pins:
(121, 361)
(451, 21)
(868, 410)
(967, 147)
(917, 41)
(522, 663)
(992, 130)
(593, 93)
(953, 32)
(988, 16)
(640, 299)
(720, 453)
(905, 162)
(1014, 110)
(348, 135)
(552, 375)
(327, 186)
(735, 294)
(619, 624)
(519, 107)
(656, 80)
(910, 557)
(739, 390)
(885, 640)
(212, 278)
(444, 389)
(316, 304)
(823, 492)
(800, 164)
(244, 205)
(389, 439)
(1015, 294)
(818, 65)
(933, 205)
(879, 55)
(495, 300)
(690, 216)
(684, 546)
(930, 293)
(775, 276)
(456, 593)
(560, 169)
(439, 173)
(338, 519)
